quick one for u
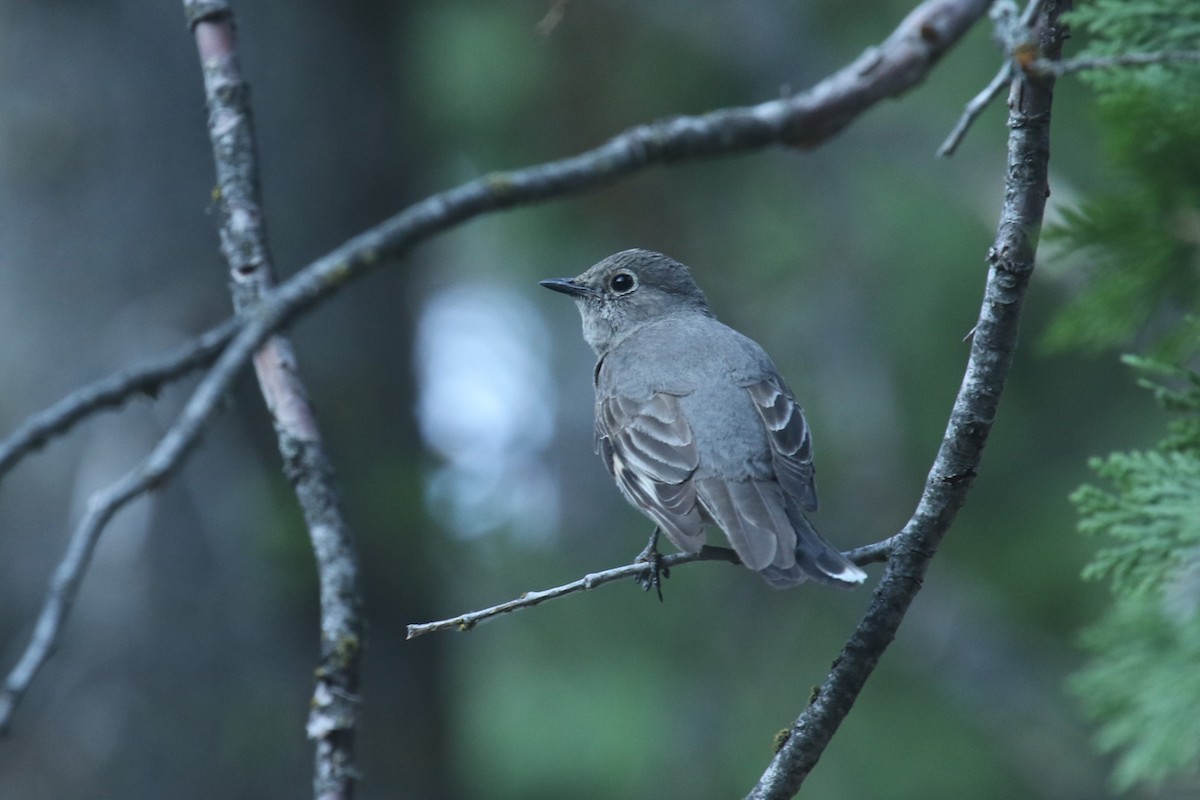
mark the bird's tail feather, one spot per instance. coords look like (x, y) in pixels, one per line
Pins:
(816, 559)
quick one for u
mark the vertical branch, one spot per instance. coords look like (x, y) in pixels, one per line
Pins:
(334, 708)
(1011, 261)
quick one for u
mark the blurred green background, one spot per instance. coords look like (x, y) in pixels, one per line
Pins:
(455, 396)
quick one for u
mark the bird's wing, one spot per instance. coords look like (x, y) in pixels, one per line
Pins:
(648, 447)
(791, 442)
(791, 456)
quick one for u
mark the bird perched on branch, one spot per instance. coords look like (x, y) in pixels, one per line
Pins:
(695, 423)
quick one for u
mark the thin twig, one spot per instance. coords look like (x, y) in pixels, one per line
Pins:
(805, 119)
(1013, 33)
(147, 378)
(465, 622)
(1047, 67)
(1071, 66)
(1011, 261)
(867, 554)
(333, 711)
(974, 108)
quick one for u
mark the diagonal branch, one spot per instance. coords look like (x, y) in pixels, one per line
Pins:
(974, 108)
(1013, 32)
(162, 461)
(333, 712)
(805, 120)
(1011, 261)
(802, 120)
(111, 392)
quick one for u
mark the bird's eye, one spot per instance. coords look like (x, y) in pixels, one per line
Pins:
(622, 282)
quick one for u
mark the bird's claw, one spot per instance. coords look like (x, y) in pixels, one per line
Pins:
(653, 577)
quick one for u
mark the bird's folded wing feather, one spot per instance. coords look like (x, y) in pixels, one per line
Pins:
(648, 447)
(791, 441)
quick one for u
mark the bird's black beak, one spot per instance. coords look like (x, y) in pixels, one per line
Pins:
(566, 286)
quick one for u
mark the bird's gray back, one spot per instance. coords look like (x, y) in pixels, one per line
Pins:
(708, 366)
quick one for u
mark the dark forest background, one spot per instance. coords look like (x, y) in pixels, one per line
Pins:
(455, 398)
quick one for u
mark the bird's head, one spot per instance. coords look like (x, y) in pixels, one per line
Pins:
(628, 290)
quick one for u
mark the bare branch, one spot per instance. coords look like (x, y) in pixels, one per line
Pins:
(867, 554)
(1011, 261)
(465, 622)
(179, 439)
(974, 108)
(804, 120)
(1013, 32)
(333, 712)
(146, 378)
(1020, 53)
(1071, 66)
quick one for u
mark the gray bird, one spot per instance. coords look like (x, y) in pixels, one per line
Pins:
(695, 423)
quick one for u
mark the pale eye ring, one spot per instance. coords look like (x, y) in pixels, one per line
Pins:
(622, 283)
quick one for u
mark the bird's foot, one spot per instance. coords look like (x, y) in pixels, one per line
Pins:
(652, 578)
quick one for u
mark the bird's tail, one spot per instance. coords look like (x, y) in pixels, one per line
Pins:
(816, 559)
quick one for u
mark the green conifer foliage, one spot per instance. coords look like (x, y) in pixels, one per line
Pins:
(1140, 241)
(1143, 678)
